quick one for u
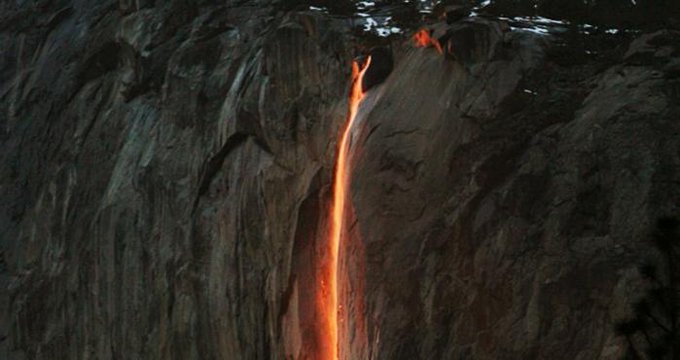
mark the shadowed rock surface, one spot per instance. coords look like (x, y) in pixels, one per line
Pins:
(159, 166)
(381, 67)
(165, 169)
(512, 199)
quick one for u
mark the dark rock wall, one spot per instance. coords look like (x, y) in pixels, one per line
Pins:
(504, 206)
(165, 168)
(158, 163)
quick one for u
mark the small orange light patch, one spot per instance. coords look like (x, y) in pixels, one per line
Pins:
(423, 39)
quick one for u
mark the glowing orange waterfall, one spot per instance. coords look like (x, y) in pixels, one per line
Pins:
(330, 333)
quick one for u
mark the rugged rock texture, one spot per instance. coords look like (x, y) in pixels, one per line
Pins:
(503, 205)
(158, 163)
(165, 168)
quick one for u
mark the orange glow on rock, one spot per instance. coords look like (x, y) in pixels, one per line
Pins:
(423, 39)
(330, 333)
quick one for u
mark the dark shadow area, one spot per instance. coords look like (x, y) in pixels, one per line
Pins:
(652, 332)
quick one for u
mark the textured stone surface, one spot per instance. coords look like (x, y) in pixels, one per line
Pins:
(503, 208)
(164, 175)
(159, 167)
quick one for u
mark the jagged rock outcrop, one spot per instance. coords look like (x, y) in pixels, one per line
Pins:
(165, 170)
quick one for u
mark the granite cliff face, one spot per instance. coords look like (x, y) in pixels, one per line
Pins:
(504, 208)
(165, 173)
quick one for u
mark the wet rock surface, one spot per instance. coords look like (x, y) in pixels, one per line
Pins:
(165, 172)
